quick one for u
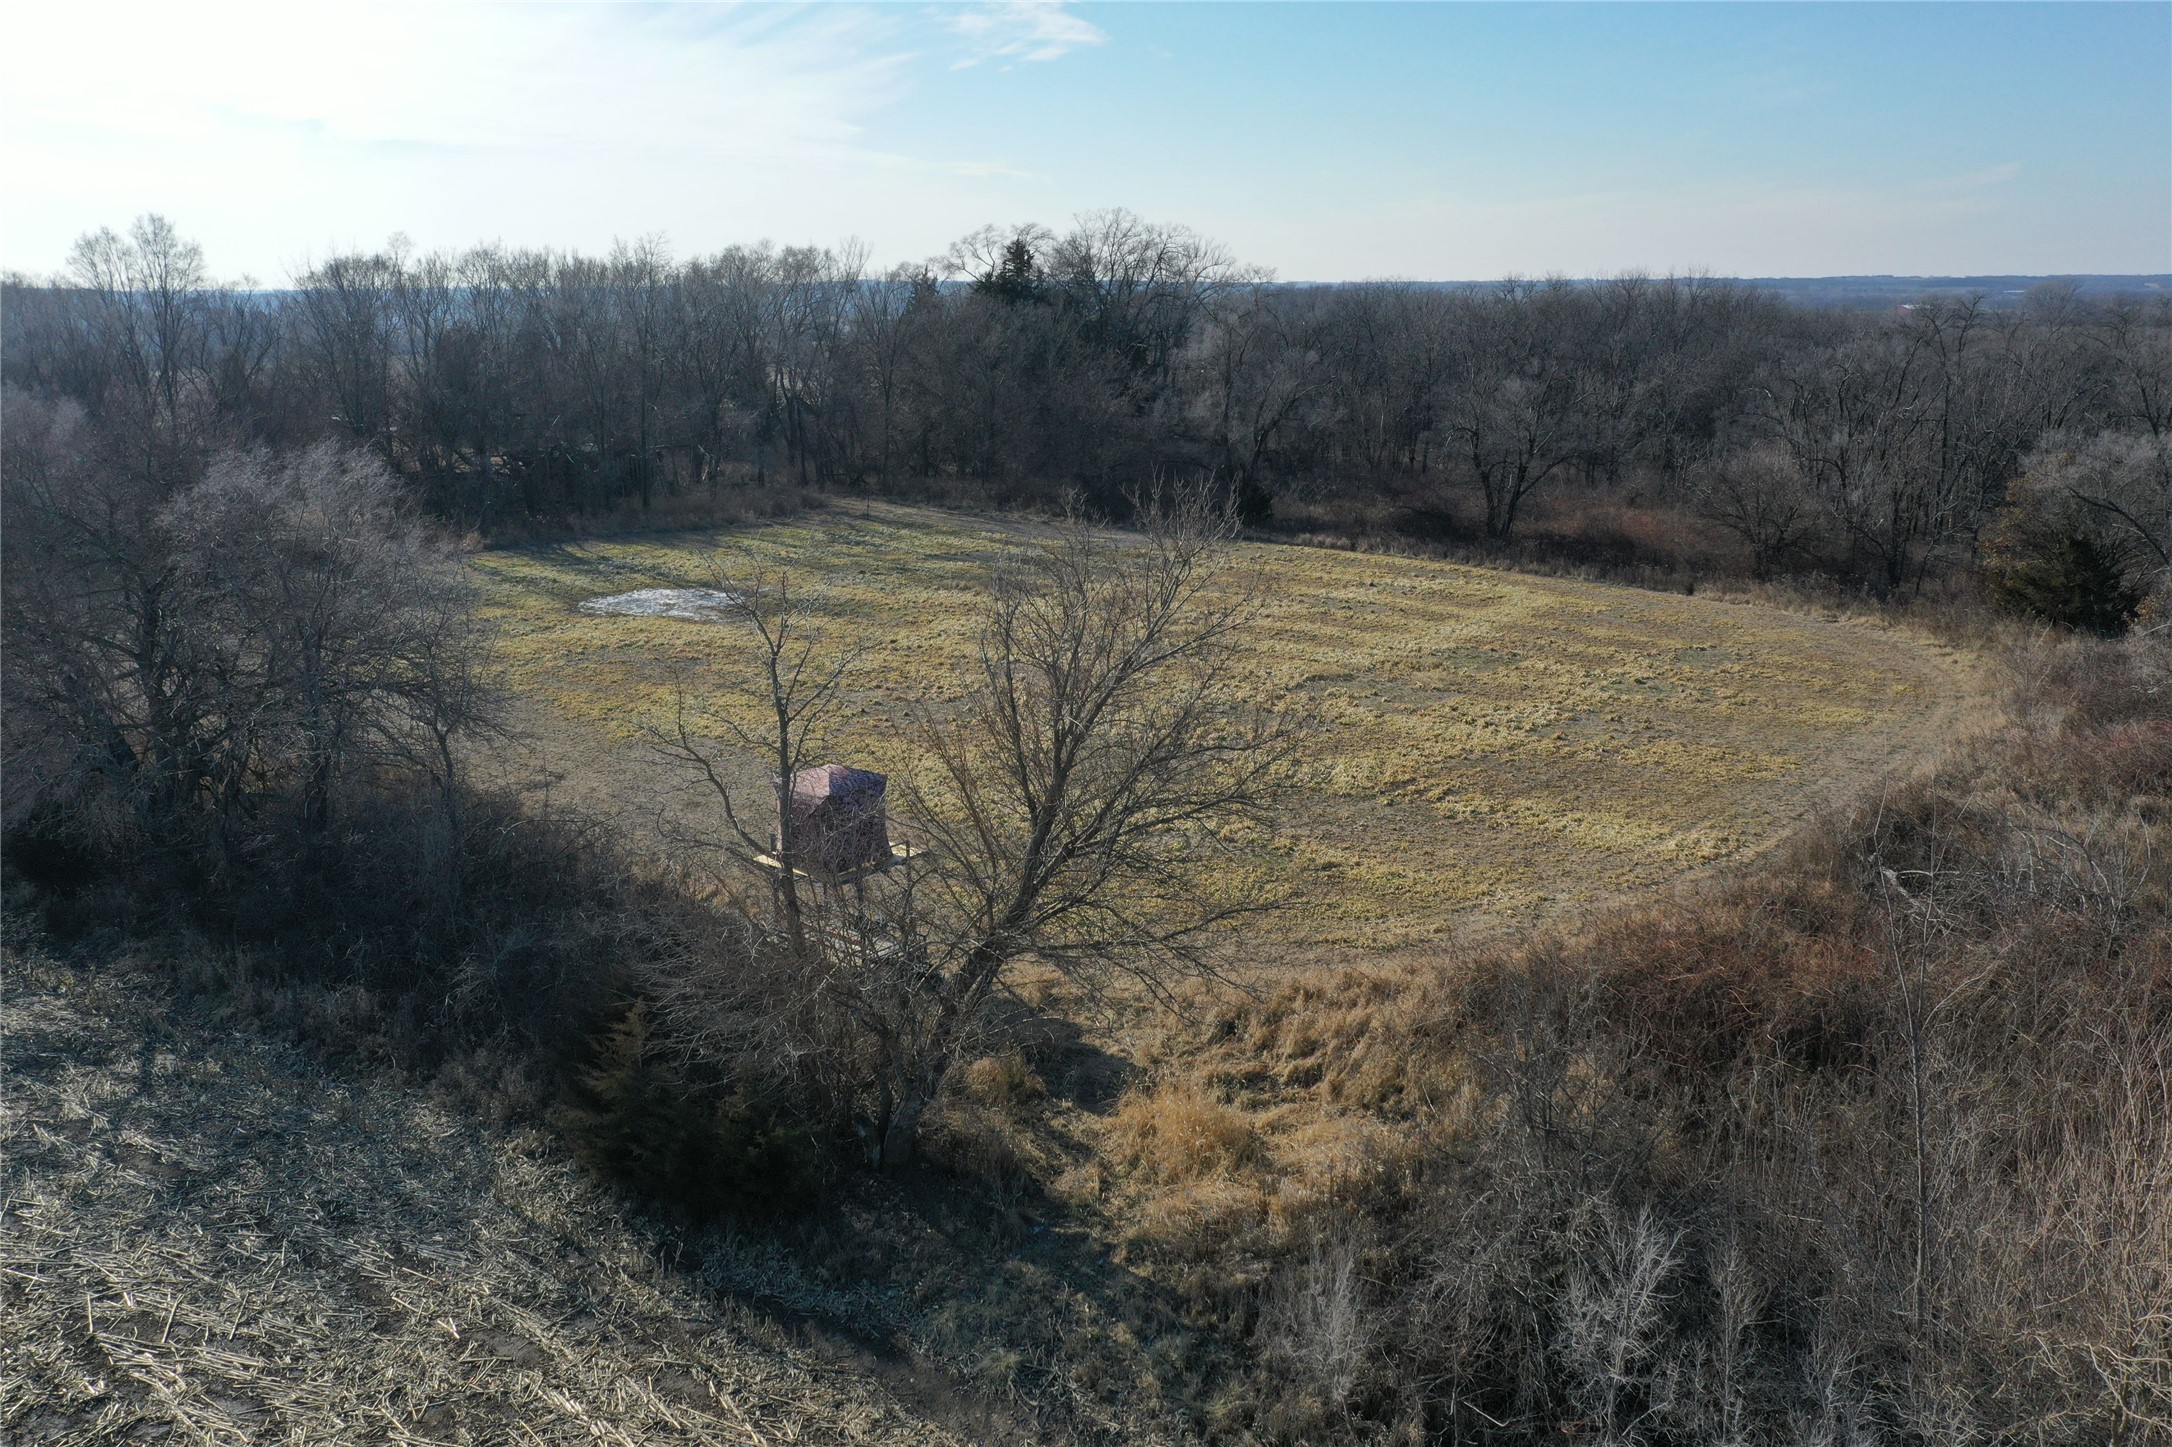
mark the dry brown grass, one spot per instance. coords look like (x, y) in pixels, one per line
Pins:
(1492, 745)
(1697, 1115)
(204, 1238)
(1180, 1134)
(1002, 1081)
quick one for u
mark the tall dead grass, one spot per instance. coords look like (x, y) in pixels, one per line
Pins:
(1871, 1142)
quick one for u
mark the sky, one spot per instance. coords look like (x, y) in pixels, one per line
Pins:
(1329, 142)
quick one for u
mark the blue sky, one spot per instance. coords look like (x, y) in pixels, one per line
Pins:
(1327, 141)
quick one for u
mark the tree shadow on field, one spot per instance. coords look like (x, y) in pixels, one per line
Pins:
(910, 1279)
(1073, 1070)
(971, 1289)
(581, 571)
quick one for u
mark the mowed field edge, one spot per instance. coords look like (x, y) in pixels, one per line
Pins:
(1492, 745)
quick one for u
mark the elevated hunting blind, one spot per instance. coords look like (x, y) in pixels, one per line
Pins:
(839, 829)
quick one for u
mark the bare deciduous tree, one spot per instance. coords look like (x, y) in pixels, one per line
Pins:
(1758, 495)
(1517, 400)
(337, 630)
(531, 384)
(779, 717)
(1074, 809)
(149, 293)
(2124, 479)
(1070, 812)
(259, 636)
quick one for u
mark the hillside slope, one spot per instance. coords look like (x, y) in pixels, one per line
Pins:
(205, 1238)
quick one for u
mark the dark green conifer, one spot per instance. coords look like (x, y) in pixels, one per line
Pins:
(1017, 278)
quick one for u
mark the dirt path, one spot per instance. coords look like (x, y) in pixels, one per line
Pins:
(1956, 688)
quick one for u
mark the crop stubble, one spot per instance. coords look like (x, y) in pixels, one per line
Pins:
(204, 1237)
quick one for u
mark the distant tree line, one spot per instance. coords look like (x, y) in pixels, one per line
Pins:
(506, 385)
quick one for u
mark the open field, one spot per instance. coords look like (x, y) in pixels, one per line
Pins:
(1496, 745)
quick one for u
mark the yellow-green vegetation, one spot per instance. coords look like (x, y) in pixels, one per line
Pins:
(1491, 744)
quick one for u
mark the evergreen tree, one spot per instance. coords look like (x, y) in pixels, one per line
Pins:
(2062, 574)
(1017, 278)
(640, 1121)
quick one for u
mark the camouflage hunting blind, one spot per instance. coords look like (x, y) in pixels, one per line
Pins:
(837, 819)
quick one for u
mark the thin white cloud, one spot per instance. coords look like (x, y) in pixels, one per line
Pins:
(1036, 30)
(273, 131)
(478, 77)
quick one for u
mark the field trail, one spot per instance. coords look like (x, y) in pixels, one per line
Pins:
(1495, 747)
(205, 1238)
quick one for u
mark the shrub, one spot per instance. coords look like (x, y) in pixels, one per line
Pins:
(1314, 1323)
(49, 849)
(2055, 570)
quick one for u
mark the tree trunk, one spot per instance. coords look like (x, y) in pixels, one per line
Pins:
(901, 1139)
